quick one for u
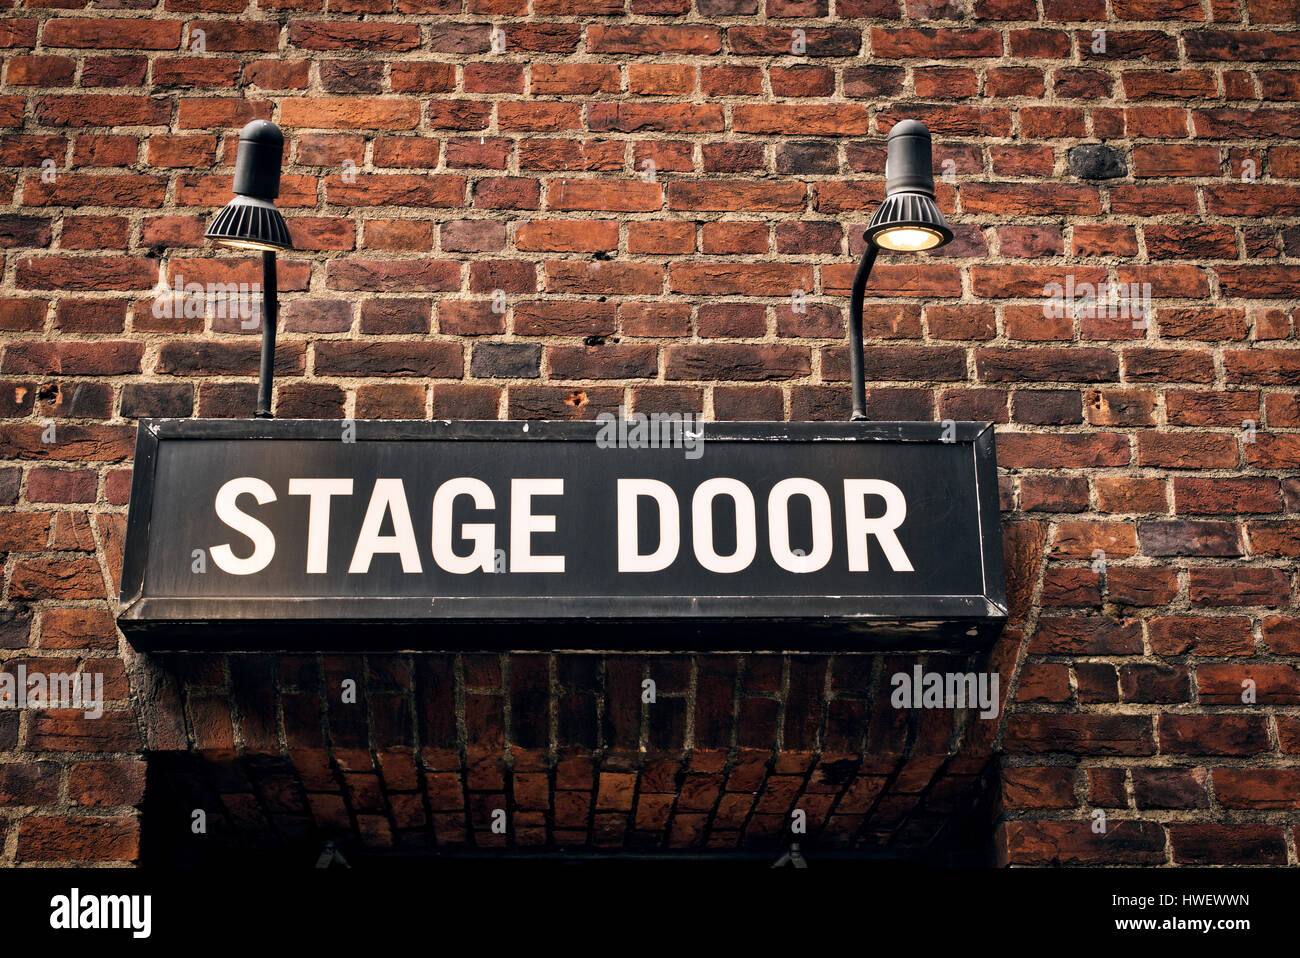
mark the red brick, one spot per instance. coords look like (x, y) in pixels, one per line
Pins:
(1257, 788)
(1074, 843)
(658, 40)
(68, 840)
(116, 33)
(1238, 843)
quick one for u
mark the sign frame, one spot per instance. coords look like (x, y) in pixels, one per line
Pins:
(714, 624)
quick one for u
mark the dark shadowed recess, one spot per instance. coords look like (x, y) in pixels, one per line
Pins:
(562, 749)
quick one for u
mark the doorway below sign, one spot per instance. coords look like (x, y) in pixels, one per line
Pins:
(582, 758)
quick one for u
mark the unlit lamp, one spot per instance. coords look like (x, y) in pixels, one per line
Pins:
(251, 222)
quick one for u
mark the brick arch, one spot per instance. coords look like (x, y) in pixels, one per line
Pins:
(564, 744)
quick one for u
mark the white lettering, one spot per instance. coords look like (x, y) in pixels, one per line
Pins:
(778, 521)
(482, 534)
(523, 523)
(882, 527)
(702, 523)
(389, 496)
(318, 516)
(629, 559)
(228, 512)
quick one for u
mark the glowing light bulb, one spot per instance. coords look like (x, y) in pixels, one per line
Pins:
(908, 239)
(248, 244)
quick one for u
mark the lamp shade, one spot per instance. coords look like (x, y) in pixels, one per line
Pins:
(248, 223)
(251, 220)
(909, 219)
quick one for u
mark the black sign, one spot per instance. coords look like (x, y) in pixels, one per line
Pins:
(646, 533)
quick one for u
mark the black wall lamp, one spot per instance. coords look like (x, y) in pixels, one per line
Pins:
(251, 221)
(908, 221)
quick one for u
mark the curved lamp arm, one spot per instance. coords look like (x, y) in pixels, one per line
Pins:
(251, 222)
(856, 376)
(907, 221)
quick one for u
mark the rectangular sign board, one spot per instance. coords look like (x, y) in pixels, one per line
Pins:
(273, 535)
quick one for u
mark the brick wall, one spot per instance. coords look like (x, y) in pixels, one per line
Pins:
(648, 183)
